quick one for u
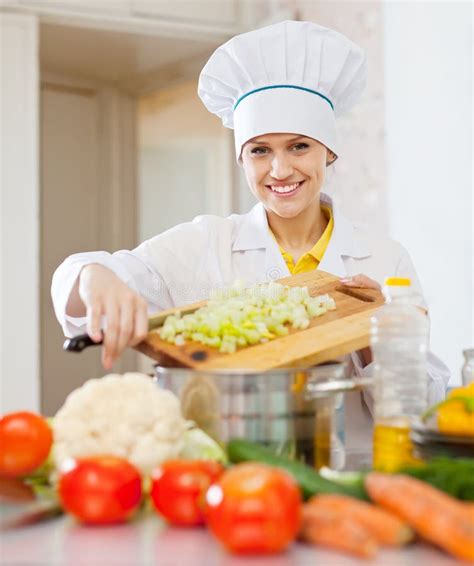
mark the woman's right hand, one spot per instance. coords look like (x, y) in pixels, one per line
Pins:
(126, 317)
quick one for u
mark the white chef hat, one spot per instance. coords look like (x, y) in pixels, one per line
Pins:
(290, 77)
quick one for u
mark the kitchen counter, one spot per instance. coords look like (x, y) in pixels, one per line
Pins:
(148, 541)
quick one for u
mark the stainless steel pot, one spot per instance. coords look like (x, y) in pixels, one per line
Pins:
(291, 410)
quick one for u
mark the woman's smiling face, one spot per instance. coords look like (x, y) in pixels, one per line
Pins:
(285, 171)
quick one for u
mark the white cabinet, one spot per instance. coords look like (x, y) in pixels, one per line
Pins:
(157, 17)
(225, 12)
(105, 7)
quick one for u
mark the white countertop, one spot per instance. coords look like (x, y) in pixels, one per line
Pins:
(148, 541)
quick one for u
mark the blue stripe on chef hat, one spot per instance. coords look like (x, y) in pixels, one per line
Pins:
(292, 77)
(284, 86)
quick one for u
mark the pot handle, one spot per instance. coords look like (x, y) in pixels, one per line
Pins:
(324, 388)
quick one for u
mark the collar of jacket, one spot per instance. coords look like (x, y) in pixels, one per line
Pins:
(254, 234)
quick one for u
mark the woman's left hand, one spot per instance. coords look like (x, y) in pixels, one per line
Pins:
(362, 281)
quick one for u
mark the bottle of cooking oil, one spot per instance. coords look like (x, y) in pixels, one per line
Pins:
(399, 341)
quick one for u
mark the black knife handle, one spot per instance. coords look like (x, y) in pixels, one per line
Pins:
(79, 343)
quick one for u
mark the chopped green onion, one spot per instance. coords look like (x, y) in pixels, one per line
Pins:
(236, 317)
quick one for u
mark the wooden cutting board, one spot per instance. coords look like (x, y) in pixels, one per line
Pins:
(328, 336)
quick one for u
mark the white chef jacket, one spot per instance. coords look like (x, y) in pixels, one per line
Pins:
(181, 266)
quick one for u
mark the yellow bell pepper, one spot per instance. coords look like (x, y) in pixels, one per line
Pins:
(467, 390)
(455, 415)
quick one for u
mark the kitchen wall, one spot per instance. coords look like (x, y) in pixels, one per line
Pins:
(429, 127)
(19, 213)
(185, 160)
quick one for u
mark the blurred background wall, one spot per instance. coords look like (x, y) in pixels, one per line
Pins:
(185, 158)
(428, 70)
(104, 143)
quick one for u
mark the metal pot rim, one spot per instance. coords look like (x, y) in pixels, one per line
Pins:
(336, 370)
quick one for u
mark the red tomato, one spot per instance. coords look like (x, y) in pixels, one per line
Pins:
(25, 441)
(179, 487)
(100, 489)
(254, 508)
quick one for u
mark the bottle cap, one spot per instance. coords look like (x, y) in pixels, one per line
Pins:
(398, 281)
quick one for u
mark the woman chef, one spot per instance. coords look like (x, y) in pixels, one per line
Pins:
(280, 88)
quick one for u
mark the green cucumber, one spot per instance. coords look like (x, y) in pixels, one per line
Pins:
(310, 482)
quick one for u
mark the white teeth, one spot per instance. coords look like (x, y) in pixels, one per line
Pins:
(286, 189)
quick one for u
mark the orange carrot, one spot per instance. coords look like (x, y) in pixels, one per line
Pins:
(332, 529)
(468, 507)
(384, 526)
(436, 516)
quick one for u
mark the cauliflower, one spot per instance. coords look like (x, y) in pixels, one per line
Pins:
(127, 416)
(200, 446)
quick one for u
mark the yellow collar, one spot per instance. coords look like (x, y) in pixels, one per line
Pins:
(317, 251)
(311, 259)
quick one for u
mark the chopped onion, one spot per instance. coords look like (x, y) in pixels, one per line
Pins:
(237, 317)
